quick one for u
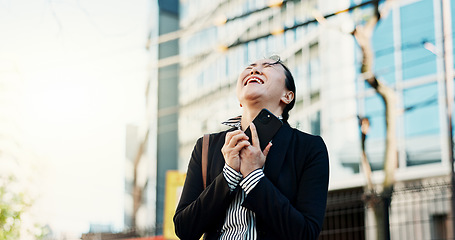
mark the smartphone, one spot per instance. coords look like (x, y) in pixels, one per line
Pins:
(267, 126)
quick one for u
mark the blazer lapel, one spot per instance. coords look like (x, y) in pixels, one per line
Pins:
(277, 153)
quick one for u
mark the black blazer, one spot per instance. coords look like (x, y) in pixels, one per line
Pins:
(289, 202)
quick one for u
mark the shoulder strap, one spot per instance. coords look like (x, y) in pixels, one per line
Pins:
(205, 152)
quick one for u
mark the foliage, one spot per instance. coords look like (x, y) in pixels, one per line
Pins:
(12, 205)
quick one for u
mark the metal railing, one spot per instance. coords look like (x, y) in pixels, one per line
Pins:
(420, 210)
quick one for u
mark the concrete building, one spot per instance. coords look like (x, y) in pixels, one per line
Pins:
(167, 112)
(152, 146)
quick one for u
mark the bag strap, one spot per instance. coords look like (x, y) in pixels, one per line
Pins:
(205, 152)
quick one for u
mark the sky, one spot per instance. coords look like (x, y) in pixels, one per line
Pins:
(79, 69)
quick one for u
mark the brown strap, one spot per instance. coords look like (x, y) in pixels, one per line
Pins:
(205, 152)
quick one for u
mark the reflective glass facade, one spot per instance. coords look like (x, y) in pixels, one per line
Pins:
(408, 57)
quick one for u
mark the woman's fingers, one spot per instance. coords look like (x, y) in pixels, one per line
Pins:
(267, 149)
(234, 142)
(242, 144)
(254, 136)
(233, 138)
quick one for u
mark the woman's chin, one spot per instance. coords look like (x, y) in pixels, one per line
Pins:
(253, 98)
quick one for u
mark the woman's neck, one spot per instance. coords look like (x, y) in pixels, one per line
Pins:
(248, 116)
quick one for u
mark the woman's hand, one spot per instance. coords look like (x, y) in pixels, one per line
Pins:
(234, 142)
(251, 156)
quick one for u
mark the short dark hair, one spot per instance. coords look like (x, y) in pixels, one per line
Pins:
(289, 83)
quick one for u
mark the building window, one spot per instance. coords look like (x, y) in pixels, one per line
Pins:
(415, 29)
(421, 124)
(375, 111)
(384, 62)
(316, 123)
(314, 68)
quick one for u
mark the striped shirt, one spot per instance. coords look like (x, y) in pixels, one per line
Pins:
(240, 222)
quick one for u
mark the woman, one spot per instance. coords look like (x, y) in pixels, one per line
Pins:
(277, 193)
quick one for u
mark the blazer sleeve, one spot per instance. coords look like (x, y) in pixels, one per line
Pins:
(200, 210)
(304, 218)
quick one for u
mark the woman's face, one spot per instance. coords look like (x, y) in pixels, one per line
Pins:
(262, 82)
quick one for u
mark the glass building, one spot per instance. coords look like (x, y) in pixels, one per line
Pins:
(409, 58)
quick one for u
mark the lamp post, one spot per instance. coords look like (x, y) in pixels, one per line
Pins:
(448, 67)
(447, 55)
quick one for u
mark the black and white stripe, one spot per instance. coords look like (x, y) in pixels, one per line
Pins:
(251, 180)
(232, 177)
(233, 122)
(240, 223)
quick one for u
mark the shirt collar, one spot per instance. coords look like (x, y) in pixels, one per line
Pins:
(236, 122)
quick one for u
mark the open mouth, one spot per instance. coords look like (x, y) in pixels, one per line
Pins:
(253, 80)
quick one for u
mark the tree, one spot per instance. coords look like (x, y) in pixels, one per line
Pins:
(379, 200)
(138, 190)
(18, 168)
(12, 205)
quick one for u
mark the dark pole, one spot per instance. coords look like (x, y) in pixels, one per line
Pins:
(386, 200)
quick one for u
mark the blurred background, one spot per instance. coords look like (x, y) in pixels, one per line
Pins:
(101, 103)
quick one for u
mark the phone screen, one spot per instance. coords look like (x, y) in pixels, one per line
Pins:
(267, 125)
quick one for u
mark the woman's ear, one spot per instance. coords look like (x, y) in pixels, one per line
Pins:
(288, 97)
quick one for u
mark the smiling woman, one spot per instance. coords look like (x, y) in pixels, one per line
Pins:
(277, 95)
(276, 193)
